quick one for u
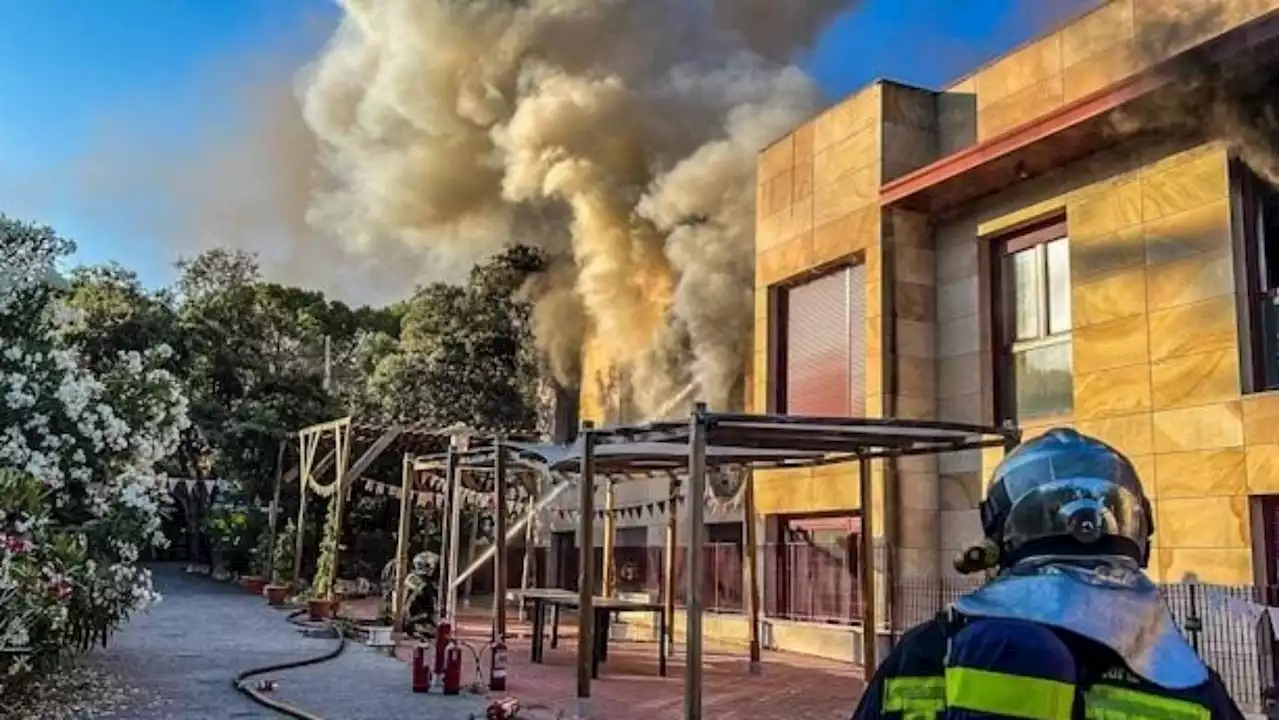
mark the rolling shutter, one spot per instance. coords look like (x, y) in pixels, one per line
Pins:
(825, 345)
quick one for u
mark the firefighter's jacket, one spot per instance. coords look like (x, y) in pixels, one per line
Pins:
(954, 667)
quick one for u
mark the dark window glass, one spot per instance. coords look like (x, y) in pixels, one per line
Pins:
(1255, 208)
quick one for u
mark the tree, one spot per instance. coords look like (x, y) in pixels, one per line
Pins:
(114, 313)
(78, 455)
(466, 353)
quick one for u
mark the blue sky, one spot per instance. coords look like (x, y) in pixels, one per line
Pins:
(70, 70)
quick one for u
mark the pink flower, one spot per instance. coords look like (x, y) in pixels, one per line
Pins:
(16, 545)
(60, 588)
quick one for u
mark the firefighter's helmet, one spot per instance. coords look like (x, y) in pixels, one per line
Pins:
(1063, 493)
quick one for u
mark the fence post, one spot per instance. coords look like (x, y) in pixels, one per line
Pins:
(1193, 623)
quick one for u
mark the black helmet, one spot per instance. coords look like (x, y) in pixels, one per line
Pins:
(1062, 493)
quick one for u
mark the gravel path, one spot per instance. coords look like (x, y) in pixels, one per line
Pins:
(185, 651)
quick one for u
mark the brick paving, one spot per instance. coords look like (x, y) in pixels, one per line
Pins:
(790, 686)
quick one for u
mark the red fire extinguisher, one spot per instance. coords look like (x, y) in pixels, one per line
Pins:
(498, 665)
(452, 668)
(504, 709)
(444, 635)
(421, 671)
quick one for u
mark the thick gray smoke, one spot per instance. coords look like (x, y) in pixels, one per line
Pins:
(619, 135)
(1233, 99)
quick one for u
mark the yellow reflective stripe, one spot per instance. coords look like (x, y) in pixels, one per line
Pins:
(919, 698)
(1108, 702)
(1015, 696)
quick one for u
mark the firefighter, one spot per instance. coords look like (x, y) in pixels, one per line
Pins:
(1068, 625)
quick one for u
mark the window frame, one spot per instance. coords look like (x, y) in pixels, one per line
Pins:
(1250, 278)
(1035, 235)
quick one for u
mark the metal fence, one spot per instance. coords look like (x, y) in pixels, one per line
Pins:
(1229, 626)
(722, 585)
(800, 581)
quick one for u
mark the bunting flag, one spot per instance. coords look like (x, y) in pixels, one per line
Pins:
(209, 485)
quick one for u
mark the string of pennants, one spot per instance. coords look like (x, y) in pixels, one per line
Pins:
(173, 483)
(661, 507)
(436, 496)
(648, 509)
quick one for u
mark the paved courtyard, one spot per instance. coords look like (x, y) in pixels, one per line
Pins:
(185, 651)
(790, 686)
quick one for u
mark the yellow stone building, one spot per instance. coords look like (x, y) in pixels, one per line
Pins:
(1006, 250)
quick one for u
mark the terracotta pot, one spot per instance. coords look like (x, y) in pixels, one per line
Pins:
(276, 594)
(253, 583)
(321, 609)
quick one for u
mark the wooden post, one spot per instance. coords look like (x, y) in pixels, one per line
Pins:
(274, 520)
(500, 538)
(751, 569)
(693, 565)
(669, 562)
(867, 569)
(307, 450)
(473, 535)
(530, 536)
(586, 569)
(446, 515)
(342, 438)
(455, 542)
(609, 581)
(403, 531)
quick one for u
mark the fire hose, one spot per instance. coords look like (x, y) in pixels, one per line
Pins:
(238, 682)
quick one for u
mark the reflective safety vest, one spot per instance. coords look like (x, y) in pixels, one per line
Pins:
(997, 668)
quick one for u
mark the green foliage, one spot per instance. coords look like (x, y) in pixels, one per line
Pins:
(326, 570)
(60, 589)
(466, 352)
(28, 278)
(116, 314)
(234, 532)
(282, 556)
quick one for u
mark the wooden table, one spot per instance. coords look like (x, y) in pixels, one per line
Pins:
(602, 608)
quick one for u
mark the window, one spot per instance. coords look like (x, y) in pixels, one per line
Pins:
(812, 573)
(1255, 230)
(1034, 323)
(1265, 519)
(818, 345)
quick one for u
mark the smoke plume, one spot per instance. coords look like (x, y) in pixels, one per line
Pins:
(620, 136)
(1231, 99)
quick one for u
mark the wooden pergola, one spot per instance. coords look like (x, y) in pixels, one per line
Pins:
(466, 452)
(683, 452)
(341, 437)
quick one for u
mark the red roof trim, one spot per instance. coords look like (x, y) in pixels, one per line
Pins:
(1091, 106)
(1019, 137)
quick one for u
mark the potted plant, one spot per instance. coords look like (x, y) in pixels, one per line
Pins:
(281, 566)
(261, 565)
(322, 603)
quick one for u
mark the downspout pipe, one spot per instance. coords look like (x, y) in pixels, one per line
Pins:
(889, 366)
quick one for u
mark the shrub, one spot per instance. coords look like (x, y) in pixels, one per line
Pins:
(235, 532)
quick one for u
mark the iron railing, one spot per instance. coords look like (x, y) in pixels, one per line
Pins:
(800, 581)
(1230, 626)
